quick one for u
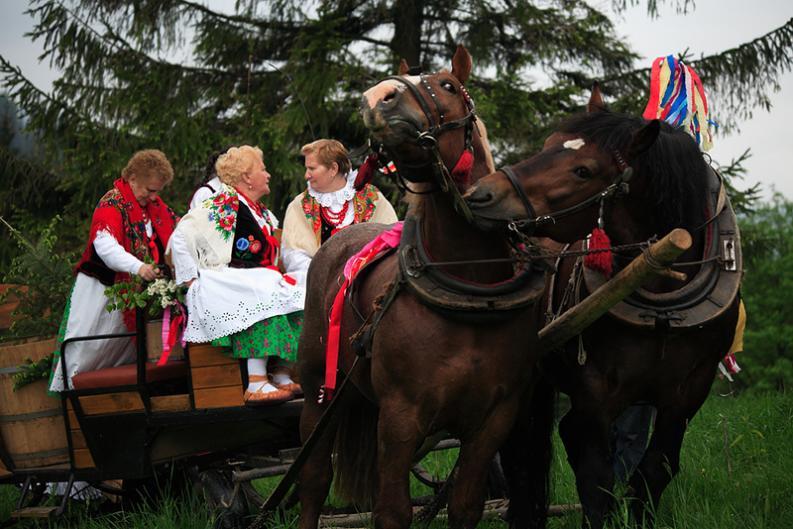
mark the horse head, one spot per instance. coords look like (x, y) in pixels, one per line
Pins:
(590, 159)
(425, 120)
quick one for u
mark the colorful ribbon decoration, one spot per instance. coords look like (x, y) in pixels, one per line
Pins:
(368, 254)
(677, 97)
(171, 332)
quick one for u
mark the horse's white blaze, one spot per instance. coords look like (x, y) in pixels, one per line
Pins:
(574, 144)
(384, 88)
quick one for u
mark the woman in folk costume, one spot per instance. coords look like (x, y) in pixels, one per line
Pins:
(211, 183)
(226, 251)
(130, 226)
(335, 198)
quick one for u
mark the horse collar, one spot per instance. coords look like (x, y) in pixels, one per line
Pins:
(458, 298)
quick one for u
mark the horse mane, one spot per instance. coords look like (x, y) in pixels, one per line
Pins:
(482, 130)
(673, 167)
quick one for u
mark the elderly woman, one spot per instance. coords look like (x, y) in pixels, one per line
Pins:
(226, 251)
(333, 201)
(130, 230)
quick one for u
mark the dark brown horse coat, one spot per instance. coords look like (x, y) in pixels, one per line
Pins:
(615, 364)
(428, 372)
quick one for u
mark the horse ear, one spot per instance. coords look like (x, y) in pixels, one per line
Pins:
(461, 64)
(596, 103)
(403, 67)
(643, 139)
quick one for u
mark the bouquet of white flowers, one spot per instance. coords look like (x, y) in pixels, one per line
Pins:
(156, 297)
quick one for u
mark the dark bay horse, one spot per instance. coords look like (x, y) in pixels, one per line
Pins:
(662, 346)
(431, 368)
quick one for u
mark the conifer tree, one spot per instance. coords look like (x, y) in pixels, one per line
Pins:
(187, 78)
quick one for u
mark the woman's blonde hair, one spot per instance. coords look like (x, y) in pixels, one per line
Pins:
(236, 162)
(327, 152)
(148, 164)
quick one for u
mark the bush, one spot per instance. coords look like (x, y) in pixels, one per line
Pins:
(767, 240)
(45, 276)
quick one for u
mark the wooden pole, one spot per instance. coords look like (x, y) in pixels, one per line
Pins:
(578, 318)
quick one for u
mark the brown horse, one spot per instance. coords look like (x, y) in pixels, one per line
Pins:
(661, 346)
(431, 368)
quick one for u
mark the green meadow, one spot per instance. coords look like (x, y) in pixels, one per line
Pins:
(736, 472)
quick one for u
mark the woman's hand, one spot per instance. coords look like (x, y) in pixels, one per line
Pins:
(149, 272)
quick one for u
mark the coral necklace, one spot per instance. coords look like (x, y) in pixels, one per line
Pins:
(334, 219)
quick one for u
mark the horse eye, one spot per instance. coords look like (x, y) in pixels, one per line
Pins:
(449, 87)
(583, 172)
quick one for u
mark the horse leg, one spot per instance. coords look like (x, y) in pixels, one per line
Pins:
(399, 436)
(526, 459)
(661, 461)
(470, 484)
(585, 434)
(317, 472)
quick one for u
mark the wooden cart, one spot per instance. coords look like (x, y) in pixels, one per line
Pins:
(124, 423)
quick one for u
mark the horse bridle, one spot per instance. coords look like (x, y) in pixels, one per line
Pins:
(428, 139)
(619, 186)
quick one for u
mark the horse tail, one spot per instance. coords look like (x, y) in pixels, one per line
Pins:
(526, 459)
(356, 454)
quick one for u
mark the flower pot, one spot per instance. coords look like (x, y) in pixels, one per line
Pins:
(154, 343)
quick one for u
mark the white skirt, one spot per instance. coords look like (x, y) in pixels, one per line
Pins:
(88, 316)
(229, 300)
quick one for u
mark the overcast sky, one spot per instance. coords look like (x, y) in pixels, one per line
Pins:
(713, 26)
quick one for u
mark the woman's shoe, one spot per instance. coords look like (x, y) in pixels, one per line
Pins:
(291, 386)
(260, 397)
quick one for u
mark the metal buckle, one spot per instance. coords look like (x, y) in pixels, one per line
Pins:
(728, 255)
(426, 140)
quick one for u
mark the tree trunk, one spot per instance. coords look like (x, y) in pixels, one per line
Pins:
(408, 19)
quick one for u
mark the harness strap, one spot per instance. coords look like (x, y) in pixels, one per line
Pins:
(513, 179)
(361, 341)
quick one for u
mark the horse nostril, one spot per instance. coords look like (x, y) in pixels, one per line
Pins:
(390, 99)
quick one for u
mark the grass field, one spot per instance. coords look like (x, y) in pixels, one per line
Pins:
(736, 472)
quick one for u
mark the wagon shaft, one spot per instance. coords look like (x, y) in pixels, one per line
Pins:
(578, 318)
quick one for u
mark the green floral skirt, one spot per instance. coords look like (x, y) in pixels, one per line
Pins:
(276, 336)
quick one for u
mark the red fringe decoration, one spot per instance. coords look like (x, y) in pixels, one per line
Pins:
(600, 261)
(462, 170)
(365, 172)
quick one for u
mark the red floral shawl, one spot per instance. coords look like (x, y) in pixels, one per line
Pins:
(120, 214)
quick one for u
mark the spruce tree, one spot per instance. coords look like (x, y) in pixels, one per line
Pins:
(185, 78)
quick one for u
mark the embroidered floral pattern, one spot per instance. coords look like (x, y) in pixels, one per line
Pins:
(135, 232)
(223, 209)
(311, 209)
(275, 336)
(364, 203)
(363, 207)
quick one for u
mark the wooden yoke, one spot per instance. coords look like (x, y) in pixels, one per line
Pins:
(661, 254)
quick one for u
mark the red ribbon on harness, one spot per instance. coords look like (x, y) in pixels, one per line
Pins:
(171, 331)
(368, 254)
